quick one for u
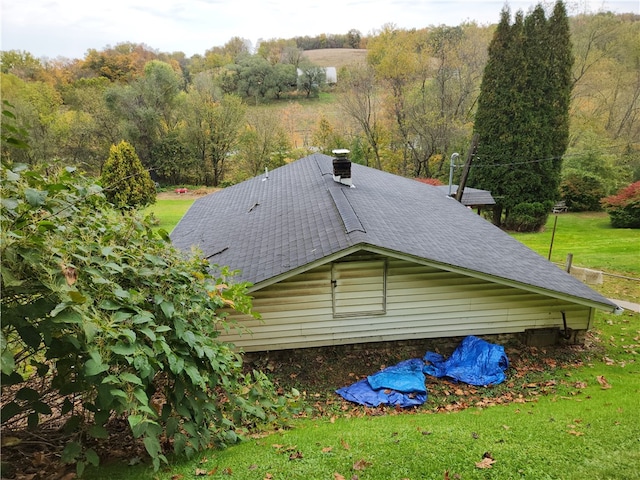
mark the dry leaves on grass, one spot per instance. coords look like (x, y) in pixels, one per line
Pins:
(297, 455)
(361, 464)
(486, 462)
(603, 382)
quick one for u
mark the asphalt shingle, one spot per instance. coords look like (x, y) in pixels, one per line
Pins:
(299, 215)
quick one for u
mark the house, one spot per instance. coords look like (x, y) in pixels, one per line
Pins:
(339, 253)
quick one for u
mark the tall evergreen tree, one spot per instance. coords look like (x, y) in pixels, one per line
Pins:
(522, 116)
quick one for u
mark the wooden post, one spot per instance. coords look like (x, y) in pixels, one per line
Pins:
(553, 234)
(569, 262)
(467, 166)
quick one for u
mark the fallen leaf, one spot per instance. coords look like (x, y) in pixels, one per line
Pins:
(70, 274)
(296, 455)
(603, 382)
(487, 462)
(10, 441)
(39, 458)
(344, 444)
(201, 472)
(327, 449)
(580, 385)
(226, 471)
(576, 433)
(253, 467)
(177, 476)
(361, 464)
(337, 476)
(268, 476)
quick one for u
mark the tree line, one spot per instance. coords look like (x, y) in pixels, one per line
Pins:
(218, 118)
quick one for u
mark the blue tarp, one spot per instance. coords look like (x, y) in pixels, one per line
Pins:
(475, 362)
(399, 385)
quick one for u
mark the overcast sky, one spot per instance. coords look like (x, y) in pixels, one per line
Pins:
(68, 28)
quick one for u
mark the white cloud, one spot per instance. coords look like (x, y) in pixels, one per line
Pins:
(69, 28)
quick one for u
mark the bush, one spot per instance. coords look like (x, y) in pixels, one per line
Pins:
(104, 309)
(582, 192)
(127, 184)
(624, 207)
(528, 217)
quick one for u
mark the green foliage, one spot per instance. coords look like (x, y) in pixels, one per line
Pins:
(11, 135)
(311, 80)
(98, 306)
(127, 183)
(528, 217)
(523, 111)
(582, 193)
(624, 207)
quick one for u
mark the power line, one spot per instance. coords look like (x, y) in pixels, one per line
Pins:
(540, 160)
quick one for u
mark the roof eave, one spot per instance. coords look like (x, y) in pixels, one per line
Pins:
(608, 306)
(604, 306)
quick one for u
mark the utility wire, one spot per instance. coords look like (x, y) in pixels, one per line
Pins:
(540, 160)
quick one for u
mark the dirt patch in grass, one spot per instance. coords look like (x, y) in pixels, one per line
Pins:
(189, 194)
(317, 372)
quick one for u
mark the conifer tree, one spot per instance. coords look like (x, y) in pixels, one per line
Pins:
(522, 116)
(126, 182)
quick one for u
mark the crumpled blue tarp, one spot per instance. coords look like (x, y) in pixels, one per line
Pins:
(475, 361)
(399, 385)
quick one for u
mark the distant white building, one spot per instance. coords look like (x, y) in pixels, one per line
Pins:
(330, 72)
(332, 75)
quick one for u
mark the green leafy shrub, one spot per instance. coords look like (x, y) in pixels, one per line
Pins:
(127, 183)
(582, 192)
(624, 207)
(116, 322)
(528, 217)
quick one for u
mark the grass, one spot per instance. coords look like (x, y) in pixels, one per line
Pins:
(168, 212)
(591, 240)
(584, 426)
(587, 428)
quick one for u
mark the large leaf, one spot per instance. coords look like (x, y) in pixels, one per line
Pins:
(93, 367)
(130, 378)
(35, 198)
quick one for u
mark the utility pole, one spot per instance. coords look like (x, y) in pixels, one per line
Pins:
(467, 166)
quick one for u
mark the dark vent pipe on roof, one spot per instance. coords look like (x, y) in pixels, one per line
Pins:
(342, 167)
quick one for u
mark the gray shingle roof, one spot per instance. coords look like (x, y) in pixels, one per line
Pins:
(300, 215)
(471, 197)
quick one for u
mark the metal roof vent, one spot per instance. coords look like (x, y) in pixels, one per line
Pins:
(342, 167)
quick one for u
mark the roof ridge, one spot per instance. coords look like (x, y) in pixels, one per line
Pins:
(348, 215)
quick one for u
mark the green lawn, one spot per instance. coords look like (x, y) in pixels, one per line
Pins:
(591, 240)
(583, 426)
(169, 212)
